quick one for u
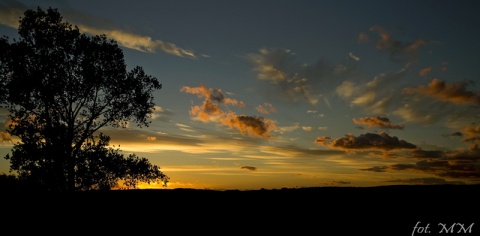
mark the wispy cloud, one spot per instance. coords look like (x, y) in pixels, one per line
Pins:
(323, 140)
(138, 42)
(376, 96)
(377, 121)
(457, 164)
(455, 92)
(297, 82)
(266, 108)
(11, 11)
(404, 52)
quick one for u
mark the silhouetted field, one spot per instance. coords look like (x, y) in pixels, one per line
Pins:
(385, 210)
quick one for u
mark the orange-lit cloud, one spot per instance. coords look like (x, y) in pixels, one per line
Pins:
(211, 94)
(472, 134)
(367, 141)
(456, 93)
(377, 121)
(252, 125)
(323, 140)
(266, 108)
(209, 111)
(5, 137)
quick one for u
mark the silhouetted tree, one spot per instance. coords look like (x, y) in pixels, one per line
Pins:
(60, 87)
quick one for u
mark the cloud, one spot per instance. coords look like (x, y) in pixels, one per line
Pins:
(472, 133)
(336, 183)
(425, 71)
(376, 169)
(161, 114)
(252, 125)
(425, 181)
(151, 138)
(295, 81)
(429, 154)
(367, 141)
(11, 11)
(399, 51)
(210, 110)
(376, 96)
(458, 164)
(290, 151)
(266, 108)
(307, 128)
(377, 121)
(454, 134)
(212, 95)
(456, 93)
(5, 137)
(250, 168)
(353, 57)
(284, 129)
(138, 42)
(323, 140)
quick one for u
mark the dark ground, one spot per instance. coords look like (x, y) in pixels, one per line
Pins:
(388, 210)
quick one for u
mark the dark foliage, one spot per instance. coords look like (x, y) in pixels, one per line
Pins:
(60, 87)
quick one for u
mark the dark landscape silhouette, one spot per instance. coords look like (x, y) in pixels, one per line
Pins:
(61, 87)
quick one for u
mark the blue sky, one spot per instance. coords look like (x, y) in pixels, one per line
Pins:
(271, 94)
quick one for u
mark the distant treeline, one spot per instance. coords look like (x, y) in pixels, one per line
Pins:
(9, 182)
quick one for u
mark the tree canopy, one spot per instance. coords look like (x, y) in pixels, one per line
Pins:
(61, 87)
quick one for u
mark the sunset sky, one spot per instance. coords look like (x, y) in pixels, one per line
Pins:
(273, 94)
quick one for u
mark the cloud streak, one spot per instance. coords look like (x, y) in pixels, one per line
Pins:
(11, 11)
(458, 164)
(456, 93)
(377, 121)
